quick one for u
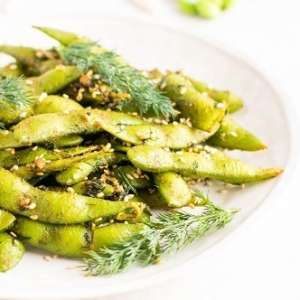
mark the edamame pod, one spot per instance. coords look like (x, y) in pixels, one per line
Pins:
(205, 164)
(46, 127)
(53, 80)
(158, 135)
(64, 37)
(233, 102)
(7, 140)
(203, 112)
(6, 219)
(11, 251)
(232, 136)
(173, 189)
(19, 197)
(70, 241)
(108, 235)
(79, 171)
(13, 69)
(55, 103)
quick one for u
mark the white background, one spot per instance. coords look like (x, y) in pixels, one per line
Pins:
(265, 262)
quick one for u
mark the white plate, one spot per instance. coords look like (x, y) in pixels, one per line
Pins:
(268, 113)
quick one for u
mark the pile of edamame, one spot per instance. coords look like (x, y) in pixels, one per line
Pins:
(82, 166)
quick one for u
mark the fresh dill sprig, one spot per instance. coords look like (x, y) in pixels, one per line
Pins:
(13, 93)
(171, 231)
(122, 77)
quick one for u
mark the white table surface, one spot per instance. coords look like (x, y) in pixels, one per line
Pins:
(265, 262)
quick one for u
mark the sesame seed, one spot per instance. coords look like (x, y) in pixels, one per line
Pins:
(34, 217)
(28, 82)
(129, 176)
(13, 67)
(12, 234)
(70, 190)
(183, 90)
(14, 168)
(47, 258)
(16, 243)
(23, 114)
(32, 205)
(220, 105)
(34, 148)
(42, 96)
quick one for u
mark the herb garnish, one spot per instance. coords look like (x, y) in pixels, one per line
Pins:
(13, 92)
(171, 232)
(121, 76)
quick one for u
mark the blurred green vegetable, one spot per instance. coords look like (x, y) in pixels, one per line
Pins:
(208, 9)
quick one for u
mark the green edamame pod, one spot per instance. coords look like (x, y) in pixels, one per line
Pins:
(6, 219)
(64, 141)
(11, 251)
(108, 235)
(19, 197)
(158, 135)
(64, 37)
(233, 102)
(13, 69)
(81, 170)
(173, 189)
(47, 127)
(203, 112)
(232, 136)
(55, 103)
(92, 188)
(214, 164)
(23, 54)
(70, 241)
(133, 177)
(53, 80)
(7, 140)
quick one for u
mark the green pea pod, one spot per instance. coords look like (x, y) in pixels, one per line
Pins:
(232, 136)
(203, 112)
(19, 197)
(11, 251)
(174, 189)
(69, 241)
(6, 219)
(214, 164)
(233, 102)
(55, 103)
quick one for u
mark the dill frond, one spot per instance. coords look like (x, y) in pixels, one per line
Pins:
(121, 76)
(171, 231)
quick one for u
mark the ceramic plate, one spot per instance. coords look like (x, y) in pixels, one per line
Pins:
(268, 113)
